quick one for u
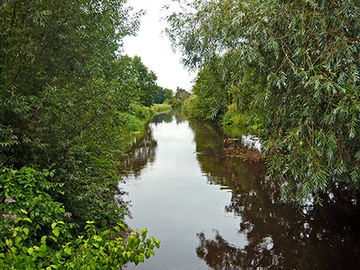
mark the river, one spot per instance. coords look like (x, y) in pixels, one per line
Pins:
(212, 211)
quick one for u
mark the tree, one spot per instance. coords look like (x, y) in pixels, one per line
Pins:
(168, 93)
(212, 89)
(181, 94)
(62, 46)
(62, 92)
(146, 82)
(162, 95)
(304, 53)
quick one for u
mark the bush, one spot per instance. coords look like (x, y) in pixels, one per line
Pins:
(246, 120)
(36, 232)
(132, 123)
(25, 192)
(96, 250)
(160, 108)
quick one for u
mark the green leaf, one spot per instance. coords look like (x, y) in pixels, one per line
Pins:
(56, 232)
(43, 240)
(67, 250)
(27, 219)
(43, 249)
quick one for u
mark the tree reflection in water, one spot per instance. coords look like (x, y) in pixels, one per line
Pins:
(280, 235)
(142, 152)
(143, 149)
(162, 118)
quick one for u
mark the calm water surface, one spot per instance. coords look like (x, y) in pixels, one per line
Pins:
(212, 211)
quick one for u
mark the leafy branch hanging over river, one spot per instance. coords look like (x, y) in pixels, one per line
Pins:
(290, 70)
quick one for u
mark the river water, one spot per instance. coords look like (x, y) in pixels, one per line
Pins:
(213, 211)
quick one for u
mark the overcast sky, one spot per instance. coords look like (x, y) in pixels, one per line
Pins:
(154, 47)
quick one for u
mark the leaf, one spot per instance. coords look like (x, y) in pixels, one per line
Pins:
(43, 249)
(56, 232)
(27, 219)
(67, 250)
(43, 240)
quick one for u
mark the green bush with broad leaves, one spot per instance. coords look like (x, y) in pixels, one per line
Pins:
(36, 232)
(95, 250)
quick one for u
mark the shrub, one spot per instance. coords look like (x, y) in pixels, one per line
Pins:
(36, 232)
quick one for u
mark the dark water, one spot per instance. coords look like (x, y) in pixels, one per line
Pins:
(212, 211)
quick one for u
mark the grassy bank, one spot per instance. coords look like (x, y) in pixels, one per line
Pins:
(139, 115)
(135, 120)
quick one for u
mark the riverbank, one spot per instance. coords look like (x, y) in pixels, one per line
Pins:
(137, 118)
(41, 204)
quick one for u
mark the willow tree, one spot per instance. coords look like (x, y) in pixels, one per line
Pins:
(306, 54)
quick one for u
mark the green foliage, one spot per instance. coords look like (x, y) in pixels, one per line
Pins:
(95, 250)
(180, 96)
(293, 63)
(133, 124)
(245, 120)
(193, 107)
(135, 81)
(36, 233)
(162, 95)
(62, 91)
(135, 120)
(140, 111)
(145, 80)
(65, 97)
(160, 108)
(27, 193)
(168, 94)
(212, 90)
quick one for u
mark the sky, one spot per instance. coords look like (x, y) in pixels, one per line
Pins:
(154, 47)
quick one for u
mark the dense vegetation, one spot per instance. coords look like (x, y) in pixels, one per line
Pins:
(287, 69)
(68, 101)
(163, 94)
(179, 98)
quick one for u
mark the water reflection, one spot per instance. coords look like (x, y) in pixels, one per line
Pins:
(143, 149)
(169, 117)
(141, 153)
(180, 207)
(280, 235)
(219, 168)
(161, 118)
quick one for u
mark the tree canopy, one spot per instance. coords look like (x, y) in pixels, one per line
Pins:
(146, 82)
(59, 83)
(65, 94)
(162, 95)
(300, 59)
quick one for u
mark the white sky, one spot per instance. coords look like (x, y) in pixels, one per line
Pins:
(154, 47)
